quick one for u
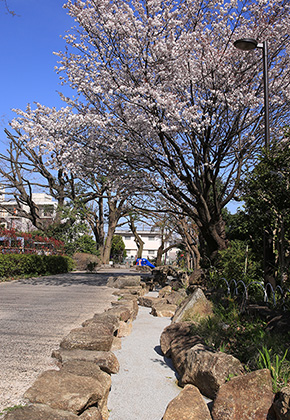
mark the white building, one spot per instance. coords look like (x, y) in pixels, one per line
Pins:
(152, 242)
(13, 220)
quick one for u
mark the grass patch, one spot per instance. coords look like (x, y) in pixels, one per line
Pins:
(9, 409)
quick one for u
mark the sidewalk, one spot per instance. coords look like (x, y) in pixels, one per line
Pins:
(145, 383)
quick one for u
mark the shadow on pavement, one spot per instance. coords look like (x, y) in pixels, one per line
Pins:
(167, 361)
(75, 278)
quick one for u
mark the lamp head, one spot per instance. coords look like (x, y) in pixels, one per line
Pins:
(246, 44)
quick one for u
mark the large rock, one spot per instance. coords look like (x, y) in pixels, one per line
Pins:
(131, 304)
(39, 412)
(195, 363)
(100, 328)
(66, 391)
(92, 413)
(110, 320)
(149, 301)
(188, 405)
(182, 278)
(86, 368)
(170, 333)
(124, 281)
(160, 274)
(125, 329)
(122, 312)
(194, 308)
(179, 348)
(117, 343)
(245, 397)
(106, 360)
(44, 412)
(208, 369)
(281, 404)
(163, 310)
(134, 290)
(87, 338)
(91, 370)
(166, 290)
(176, 298)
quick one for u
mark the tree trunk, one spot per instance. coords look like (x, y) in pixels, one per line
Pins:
(98, 230)
(189, 232)
(138, 239)
(160, 252)
(108, 244)
(114, 215)
(188, 261)
(269, 258)
(214, 236)
(195, 255)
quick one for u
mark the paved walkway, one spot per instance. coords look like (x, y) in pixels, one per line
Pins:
(146, 383)
(35, 315)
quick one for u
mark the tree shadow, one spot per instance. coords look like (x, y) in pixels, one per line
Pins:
(76, 278)
(167, 361)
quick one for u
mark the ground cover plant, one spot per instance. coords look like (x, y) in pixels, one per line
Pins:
(245, 335)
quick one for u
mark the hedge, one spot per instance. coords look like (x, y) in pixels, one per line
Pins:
(17, 265)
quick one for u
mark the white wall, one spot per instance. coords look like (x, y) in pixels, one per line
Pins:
(152, 242)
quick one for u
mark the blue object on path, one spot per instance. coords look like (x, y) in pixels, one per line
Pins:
(143, 262)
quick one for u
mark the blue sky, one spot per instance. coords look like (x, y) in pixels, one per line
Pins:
(28, 40)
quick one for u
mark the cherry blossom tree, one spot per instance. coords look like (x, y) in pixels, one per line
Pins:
(102, 187)
(160, 87)
(184, 105)
(23, 170)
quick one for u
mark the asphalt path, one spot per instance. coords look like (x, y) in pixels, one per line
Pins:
(35, 314)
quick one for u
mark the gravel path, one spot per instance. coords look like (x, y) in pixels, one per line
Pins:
(146, 383)
(35, 315)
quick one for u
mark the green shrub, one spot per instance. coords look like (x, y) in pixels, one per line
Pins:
(17, 265)
(118, 251)
(238, 262)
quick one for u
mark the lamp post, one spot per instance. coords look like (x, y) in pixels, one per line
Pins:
(248, 44)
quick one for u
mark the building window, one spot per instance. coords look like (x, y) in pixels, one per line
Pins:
(47, 211)
(127, 238)
(151, 238)
(151, 252)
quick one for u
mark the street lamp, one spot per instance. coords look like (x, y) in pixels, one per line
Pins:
(248, 44)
